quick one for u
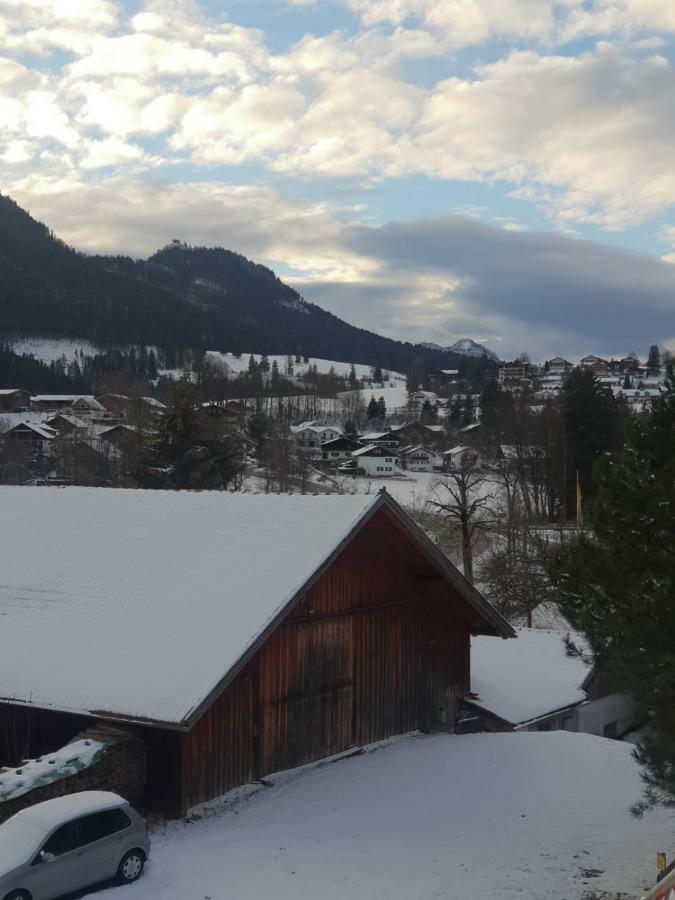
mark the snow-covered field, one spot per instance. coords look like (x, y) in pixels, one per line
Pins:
(536, 816)
(49, 349)
(238, 364)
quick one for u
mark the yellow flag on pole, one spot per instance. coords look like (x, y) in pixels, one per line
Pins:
(580, 504)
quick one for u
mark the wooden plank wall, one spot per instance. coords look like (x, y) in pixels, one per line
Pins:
(378, 647)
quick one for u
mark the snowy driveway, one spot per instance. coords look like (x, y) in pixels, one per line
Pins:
(529, 816)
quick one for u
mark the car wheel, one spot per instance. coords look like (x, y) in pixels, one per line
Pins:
(131, 867)
(18, 895)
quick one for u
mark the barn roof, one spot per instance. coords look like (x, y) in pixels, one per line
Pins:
(142, 605)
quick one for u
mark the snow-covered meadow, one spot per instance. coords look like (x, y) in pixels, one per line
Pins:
(537, 816)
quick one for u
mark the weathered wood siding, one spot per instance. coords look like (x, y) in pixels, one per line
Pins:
(378, 646)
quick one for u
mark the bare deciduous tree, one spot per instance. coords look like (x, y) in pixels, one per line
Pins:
(465, 504)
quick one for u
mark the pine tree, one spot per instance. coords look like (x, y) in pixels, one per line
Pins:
(152, 366)
(350, 429)
(353, 380)
(654, 360)
(428, 413)
(626, 382)
(373, 410)
(264, 364)
(377, 374)
(381, 409)
(616, 585)
(252, 365)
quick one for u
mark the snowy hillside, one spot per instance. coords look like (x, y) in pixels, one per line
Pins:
(238, 364)
(538, 816)
(49, 349)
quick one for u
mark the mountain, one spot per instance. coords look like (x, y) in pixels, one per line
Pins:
(180, 297)
(466, 347)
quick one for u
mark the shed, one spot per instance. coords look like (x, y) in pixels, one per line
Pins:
(238, 634)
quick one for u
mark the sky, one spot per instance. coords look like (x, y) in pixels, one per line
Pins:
(429, 169)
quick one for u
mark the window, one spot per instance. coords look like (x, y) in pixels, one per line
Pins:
(101, 825)
(63, 840)
(379, 468)
(387, 469)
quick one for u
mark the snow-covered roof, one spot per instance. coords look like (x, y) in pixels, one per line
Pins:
(528, 678)
(439, 429)
(153, 401)
(7, 392)
(169, 590)
(460, 448)
(366, 451)
(378, 436)
(59, 398)
(43, 431)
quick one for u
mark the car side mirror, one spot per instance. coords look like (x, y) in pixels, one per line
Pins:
(47, 857)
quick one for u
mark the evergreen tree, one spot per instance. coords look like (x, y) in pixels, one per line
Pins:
(616, 585)
(428, 414)
(626, 382)
(381, 409)
(468, 411)
(594, 423)
(377, 374)
(353, 380)
(252, 365)
(350, 429)
(275, 379)
(654, 359)
(372, 410)
(455, 416)
(152, 366)
(264, 364)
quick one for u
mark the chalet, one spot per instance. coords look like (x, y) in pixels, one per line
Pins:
(594, 364)
(14, 400)
(417, 458)
(77, 404)
(389, 439)
(30, 432)
(558, 366)
(461, 457)
(534, 684)
(64, 424)
(376, 461)
(417, 400)
(115, 404)
(243, 635)
(417, 433)
(339, 449)
(311, 435)
(219, 411)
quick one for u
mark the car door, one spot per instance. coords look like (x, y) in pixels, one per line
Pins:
(102, 837)
(65, 872)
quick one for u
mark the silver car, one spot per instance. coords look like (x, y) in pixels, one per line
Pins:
(69, 843)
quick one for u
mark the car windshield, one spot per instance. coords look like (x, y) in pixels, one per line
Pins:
(18, 840)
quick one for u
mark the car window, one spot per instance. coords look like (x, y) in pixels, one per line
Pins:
(63, 840)
(102, 824)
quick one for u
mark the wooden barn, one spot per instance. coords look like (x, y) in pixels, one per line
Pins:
(239, 635)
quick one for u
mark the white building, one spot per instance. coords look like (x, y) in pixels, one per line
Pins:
(461, 457)
(376, 462)
(417, 458)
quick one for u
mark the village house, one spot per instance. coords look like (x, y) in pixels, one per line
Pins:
(339, 449)
(375, 461)
(77, 404)
(417, 433)
(558, 366)
(534, 684)
(14, 400)
(389, 439)
(417, 400)
(417, 458)
(311, 435)
(37, 434)
(594, 364)
(461, 457)
(300, 627)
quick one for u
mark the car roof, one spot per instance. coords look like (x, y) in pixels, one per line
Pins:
(50, 813)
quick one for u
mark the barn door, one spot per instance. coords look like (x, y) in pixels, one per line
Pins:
(306, 693)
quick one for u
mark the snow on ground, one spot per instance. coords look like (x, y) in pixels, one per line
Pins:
(49, 349)
(36, 773)
(534, 816)
(414, 489)
(238, 364)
